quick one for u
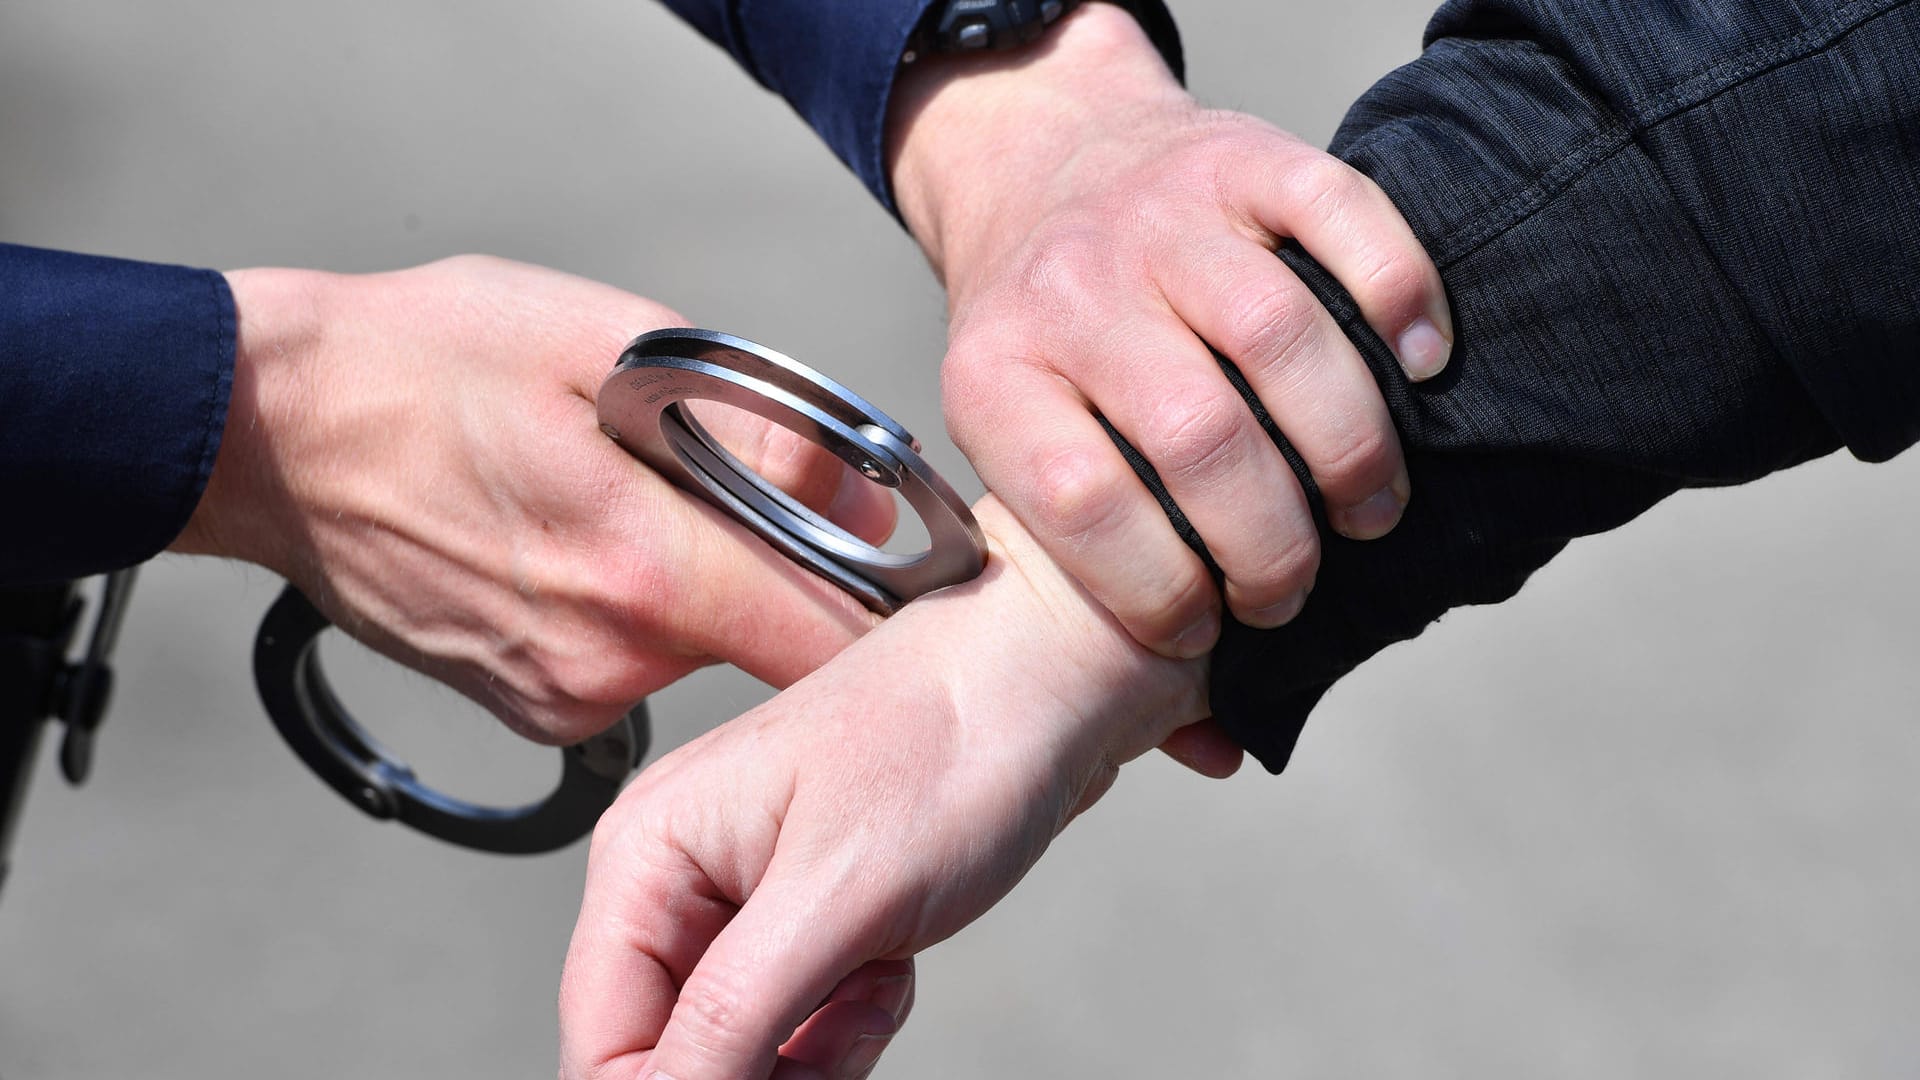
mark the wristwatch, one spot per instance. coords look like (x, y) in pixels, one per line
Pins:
(965, 26)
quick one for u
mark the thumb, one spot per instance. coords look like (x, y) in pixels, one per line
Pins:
(773, 965)
(746, 604)
(709, 587)
(1206, 748)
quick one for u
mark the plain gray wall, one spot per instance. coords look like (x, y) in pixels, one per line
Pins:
(1653, 818)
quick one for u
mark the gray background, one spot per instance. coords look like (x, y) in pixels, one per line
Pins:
(1652, 818)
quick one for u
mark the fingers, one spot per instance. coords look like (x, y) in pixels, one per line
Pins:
(1206, 748)
(863, 508)
(619, 989)
(1042, 449)
(840, 1039)
(885, 984)
(1347, 223)
(844, 1039)
(749, 605)
(1311, 379)
(646, 917)
(707, 587)
(670, 973)
(1115, 311)
(803, 469)
(761, 977)
(1168, 397)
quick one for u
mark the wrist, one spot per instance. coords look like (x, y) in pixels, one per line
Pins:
(1064, 672)
(241, 514)
(965, 132)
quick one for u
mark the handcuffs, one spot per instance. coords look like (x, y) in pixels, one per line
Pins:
(642, 406)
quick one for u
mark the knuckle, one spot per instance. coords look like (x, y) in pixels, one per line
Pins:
(980, 391)
(1196, 437)
(1181, 596)
(1266, 324)
(577, 697)
(1158, 607)
(969, 353)
(1397, 278)
(557, 727)
(589, 685)
(1164, 207)
(1068, 268)
(1325, 185)
(1077, 495)
(976, 368)
(712, 1012)
(1295, 565)
(611, 835)
(1361, 462)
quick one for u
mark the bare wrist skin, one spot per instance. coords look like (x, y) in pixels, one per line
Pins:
(244, 512)
(959, 127)
(1051, 643)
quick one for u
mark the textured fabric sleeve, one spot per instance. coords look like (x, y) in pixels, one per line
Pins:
(116, 377)
(1670, 268)
(835, 62)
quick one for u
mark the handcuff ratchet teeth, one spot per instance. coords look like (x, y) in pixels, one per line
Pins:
(642, 407)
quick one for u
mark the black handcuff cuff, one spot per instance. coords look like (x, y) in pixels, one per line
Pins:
(642, 407)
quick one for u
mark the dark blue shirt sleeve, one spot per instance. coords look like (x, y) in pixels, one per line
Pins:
(835, 62)
(116, 377)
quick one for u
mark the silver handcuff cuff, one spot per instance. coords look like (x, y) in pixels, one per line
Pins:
(642, 406)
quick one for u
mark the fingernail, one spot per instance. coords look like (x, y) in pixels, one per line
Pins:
(1423, 349)
(864, 1055)
(891, 994)
(1197, 640)
(1373, 518)
(1279, 614)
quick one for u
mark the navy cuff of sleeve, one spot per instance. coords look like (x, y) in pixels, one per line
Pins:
(835, 63)
(117, 379)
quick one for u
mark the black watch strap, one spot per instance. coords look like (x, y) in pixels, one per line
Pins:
(965, 26)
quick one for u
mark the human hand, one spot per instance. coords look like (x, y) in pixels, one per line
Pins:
(419, 452)
(1096, 230)
(872, 809)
